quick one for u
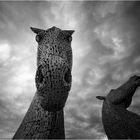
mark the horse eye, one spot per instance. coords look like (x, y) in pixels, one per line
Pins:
(38, 38)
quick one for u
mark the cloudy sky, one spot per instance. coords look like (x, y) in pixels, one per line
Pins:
(106, 50)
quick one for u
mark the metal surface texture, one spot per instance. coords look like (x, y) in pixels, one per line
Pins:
(118, 122)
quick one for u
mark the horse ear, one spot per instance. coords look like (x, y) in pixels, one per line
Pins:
(36, 30)
(101, 97)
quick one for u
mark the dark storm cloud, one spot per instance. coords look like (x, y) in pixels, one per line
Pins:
(111, 31)
(120, 24)
(132, 17)
(105, 51)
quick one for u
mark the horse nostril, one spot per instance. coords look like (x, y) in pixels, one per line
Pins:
(67, 76)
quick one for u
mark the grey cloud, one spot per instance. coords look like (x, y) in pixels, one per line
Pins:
(8, 119)
(17, 17)
(81, 127)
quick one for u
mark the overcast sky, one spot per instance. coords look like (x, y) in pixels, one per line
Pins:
(106, 49)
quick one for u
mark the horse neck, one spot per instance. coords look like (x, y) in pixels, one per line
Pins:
(41, 124)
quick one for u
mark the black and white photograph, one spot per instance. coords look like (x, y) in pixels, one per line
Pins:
(70, 69)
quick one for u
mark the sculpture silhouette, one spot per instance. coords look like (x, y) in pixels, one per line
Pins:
(118, 122)
(44, 118)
